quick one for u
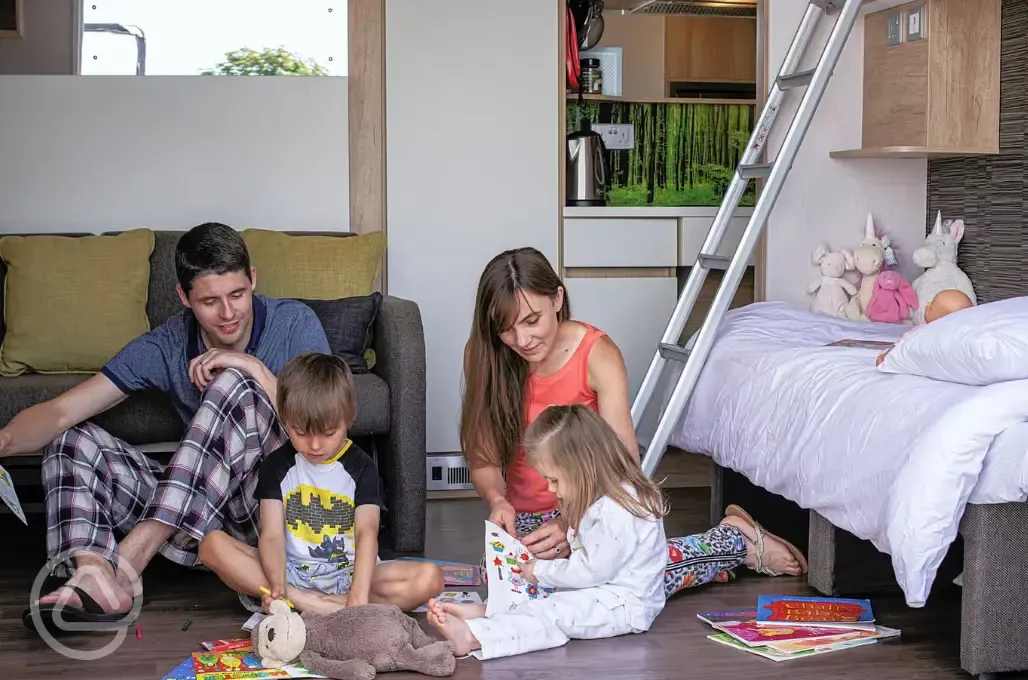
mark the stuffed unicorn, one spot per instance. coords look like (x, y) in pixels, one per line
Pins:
(938, 256)
(870, 256)
(893, 299)
(833, 291)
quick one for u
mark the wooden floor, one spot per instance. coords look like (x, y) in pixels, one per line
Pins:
(675, 647)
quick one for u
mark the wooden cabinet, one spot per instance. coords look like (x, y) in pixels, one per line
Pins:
(933, 96)
(710, 49)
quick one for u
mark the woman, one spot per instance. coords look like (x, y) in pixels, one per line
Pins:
(525, 353)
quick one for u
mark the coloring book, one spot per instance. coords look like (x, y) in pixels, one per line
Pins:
(824, 612)
(503, 555)
(242, 665)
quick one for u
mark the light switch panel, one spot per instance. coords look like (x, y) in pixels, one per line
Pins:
(915, 23)
(894, 28)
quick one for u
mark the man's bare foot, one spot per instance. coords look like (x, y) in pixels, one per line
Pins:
(98, 583)
(463, 611)
(777, 556)
(453, 628)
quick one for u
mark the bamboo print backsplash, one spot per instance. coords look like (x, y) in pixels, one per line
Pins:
(684, 154)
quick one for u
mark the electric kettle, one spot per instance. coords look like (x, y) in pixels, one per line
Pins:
(586, 167)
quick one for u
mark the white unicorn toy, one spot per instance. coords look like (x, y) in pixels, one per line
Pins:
(869, 257)
(938, 256)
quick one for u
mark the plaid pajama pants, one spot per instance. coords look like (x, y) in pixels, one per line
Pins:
(98, 487)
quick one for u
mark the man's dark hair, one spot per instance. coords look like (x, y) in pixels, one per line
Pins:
(210, 248)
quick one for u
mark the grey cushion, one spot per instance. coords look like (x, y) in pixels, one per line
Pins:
(148, 418)
(349, 324)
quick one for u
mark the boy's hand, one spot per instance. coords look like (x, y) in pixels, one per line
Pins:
(277, 593)
(528, 572)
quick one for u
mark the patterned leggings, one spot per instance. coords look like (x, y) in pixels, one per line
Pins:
(691, 560)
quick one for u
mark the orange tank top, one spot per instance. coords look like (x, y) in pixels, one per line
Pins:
(526, 489)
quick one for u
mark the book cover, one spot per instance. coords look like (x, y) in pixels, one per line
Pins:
(793, 646)
(878, 345)
(738, 616)
(774, 655)
(749, 633)
(228, 645)
(827, 612)
(454, 597)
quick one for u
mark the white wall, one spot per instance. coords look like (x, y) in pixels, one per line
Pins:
(96, 153)
(825, 198)
(473, 138)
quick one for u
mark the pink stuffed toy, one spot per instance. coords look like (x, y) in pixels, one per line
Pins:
(892, 299)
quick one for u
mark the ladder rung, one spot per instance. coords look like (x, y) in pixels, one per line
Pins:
(714, 261)
(755, 171)
(795, 80)
(829, 5)
(675, 352)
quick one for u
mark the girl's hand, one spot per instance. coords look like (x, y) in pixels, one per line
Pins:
(548, 542)
(528, 572)
(502, 514)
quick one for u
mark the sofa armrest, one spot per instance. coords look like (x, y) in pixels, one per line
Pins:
(399, 342)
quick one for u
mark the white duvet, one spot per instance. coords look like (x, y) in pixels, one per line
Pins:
(890, 458)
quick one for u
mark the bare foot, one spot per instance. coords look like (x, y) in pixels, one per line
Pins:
(777, 556)
(453, 628)
(99, 583)
(463, 611)
(323, 604)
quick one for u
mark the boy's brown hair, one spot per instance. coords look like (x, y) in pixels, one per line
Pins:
(316, 393)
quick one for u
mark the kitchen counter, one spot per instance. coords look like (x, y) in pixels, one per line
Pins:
(647, 211)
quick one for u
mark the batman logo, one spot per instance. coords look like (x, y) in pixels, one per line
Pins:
(313, 513)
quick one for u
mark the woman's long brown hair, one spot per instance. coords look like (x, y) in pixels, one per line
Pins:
(594, 462)
(493, 408)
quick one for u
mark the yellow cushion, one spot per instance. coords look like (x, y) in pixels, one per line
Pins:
(71, 303)
(314, 267)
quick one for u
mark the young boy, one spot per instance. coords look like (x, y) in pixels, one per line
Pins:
(320, 502)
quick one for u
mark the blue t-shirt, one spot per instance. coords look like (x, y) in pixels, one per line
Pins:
(159, 360)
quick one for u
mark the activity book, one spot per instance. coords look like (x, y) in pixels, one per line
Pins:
(783, 628)
(232, 660)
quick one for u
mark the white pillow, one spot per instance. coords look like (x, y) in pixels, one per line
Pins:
(975, 346)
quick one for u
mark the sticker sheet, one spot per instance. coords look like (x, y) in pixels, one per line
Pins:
(507, 588)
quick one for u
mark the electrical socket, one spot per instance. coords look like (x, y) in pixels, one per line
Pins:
(617, 136)
(894, 28)
(915, 23)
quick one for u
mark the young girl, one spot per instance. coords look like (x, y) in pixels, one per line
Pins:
(613, 581)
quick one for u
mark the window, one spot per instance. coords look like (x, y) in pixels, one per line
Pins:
(214, 37)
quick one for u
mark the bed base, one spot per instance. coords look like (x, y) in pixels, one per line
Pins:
(994, 560)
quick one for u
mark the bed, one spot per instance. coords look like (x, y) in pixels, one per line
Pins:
(902, 461)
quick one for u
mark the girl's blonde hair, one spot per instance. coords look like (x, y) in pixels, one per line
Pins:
(594, 462)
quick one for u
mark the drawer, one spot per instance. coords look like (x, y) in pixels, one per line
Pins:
(694, 232)
(621, 242)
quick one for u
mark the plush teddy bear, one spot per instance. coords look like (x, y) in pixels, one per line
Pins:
(893, 299)
(833, 291)
(352, 643)
(869, 257)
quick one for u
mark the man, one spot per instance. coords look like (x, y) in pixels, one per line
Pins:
(217, 360)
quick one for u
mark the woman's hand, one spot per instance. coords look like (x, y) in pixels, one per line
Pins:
(548, 542)
(502, 514)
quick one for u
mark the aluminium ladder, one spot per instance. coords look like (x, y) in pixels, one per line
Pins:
(789, 78)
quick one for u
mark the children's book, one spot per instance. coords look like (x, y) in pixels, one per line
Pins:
(774, 655)
(242, 665)
(183, 671)
(824, 612)
(455, 597)
(252, 622)
(9, 496)
(454, 573)
(879, 345)
(503, 556)
(740, 616)
(832, 643)
(749, 633)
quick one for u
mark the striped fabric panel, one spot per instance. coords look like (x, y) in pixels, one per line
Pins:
(991, 194)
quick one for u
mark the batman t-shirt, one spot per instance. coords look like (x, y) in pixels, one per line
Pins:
(320, 500)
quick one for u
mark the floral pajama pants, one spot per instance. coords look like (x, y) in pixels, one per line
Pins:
(691, 560)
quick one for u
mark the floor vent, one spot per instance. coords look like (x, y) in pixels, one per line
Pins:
(447, 472)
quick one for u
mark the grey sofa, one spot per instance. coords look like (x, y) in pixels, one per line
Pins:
(391, 399)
